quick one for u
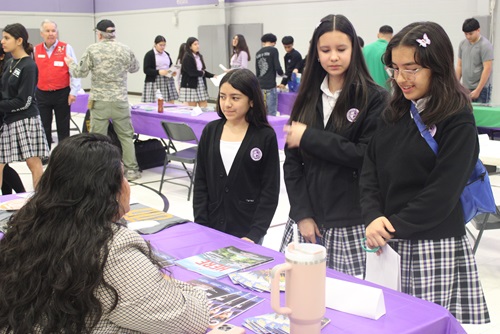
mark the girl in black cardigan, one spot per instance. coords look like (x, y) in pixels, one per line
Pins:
(332, 121)
(193, 83)
(237, 176)
(159, 75)
(410, 193)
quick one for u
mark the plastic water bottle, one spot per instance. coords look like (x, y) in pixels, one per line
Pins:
(159, 98)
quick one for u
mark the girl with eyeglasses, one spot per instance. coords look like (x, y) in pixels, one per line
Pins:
(337, 108)
(410, 193)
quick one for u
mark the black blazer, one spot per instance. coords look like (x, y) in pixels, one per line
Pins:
(190, 72)
(322, 177)
(149, 66)
(241, 203)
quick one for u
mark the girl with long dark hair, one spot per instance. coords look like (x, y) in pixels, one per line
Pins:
(236, 185)
(241, 54)
(336, 112)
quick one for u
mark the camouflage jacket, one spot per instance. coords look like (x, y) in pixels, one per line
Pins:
(109, 61)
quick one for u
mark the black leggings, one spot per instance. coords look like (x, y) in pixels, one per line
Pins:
(11, 181)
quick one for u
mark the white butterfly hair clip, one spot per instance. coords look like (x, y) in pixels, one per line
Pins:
(424, 41)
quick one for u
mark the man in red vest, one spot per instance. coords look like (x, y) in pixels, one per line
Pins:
(57, 90)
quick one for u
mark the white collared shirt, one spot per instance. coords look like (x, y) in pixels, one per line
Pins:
(329, 100)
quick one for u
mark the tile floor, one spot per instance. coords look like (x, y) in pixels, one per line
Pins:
(487, 255)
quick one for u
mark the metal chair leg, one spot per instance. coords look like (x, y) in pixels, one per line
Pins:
(483, 227)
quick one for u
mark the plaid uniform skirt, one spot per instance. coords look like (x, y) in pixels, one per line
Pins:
(23, 139)
(194, 95)
(343, 247)
(166, 87)
(443, 272)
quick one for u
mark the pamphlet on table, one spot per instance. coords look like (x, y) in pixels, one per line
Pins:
(225, 302)
(223, 261)
(273, 323)
(258, 280)
(147, 220)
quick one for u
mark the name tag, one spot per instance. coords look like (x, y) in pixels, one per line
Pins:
(58, 63)
(41, 56)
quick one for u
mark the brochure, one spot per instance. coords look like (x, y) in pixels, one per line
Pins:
(164, 259)
(147, 220)
(223, 261)
(225, 301)
(258, 280)
(273, 323)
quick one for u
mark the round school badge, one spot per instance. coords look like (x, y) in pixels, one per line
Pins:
(256, 154)
(352, 114)
(432, 129)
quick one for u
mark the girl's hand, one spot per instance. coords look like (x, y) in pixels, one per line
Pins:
(163, 72)
(309, 230)
(249, 240)
(378, 232)
(294, 133)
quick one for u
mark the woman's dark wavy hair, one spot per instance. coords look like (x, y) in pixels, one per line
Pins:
(241, 46)
(55, 248)
(447, 95)
(182, 52)
(246, 82)
(17, 30)
(356, 78)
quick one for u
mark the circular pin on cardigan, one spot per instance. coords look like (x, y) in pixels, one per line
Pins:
(256, 154)
(432, 129)
(352, 114)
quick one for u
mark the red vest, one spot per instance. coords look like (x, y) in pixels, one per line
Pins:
(53, 73)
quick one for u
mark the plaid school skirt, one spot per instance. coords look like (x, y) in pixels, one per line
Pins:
(343, 247)
(166, 87)
(194, 95)
(443, 272)
(23, 139)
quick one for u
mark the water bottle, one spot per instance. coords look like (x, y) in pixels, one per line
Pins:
(159, 98)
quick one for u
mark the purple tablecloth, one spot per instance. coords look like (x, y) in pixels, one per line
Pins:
(146, 120)
(285, 102)
(80, 105)
(404, 313)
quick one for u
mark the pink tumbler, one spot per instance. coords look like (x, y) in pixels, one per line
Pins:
(305, 277)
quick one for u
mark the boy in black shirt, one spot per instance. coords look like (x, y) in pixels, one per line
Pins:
(293, 58)
(267, 66)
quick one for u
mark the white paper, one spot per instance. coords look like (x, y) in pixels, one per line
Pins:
(142, 224)
(216, 80)
(196, 111)
(173, 69)
(384, 269)
(364, 301)
(222, 67)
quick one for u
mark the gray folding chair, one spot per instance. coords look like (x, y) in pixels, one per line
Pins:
(482, 222)
(183, 133)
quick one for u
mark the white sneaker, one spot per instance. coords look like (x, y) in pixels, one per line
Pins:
(132, 175)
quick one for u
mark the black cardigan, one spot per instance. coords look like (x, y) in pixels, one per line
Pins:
(419, 193)
(321, 176)
(242, 203)
(190, 72)
(149, 67)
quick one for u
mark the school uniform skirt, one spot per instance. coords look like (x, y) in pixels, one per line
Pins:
(343, 247)
(165, 85)
(23, 139)
(194, 95)
(443, 272)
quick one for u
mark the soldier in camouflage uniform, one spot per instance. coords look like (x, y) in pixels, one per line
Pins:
(109, 61)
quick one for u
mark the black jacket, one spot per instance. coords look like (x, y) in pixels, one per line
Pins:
(190, 72)
(149, 66)
(241, 203)
(416, 190)
(322, 176)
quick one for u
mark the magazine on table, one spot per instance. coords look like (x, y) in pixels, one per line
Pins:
(258, 280)
(222, 261)
(147, 220)
(164, 259)
(225, 301)
(273, 323)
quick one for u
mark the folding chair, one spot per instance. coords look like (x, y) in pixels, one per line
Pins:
(482, 222)
(183, 133)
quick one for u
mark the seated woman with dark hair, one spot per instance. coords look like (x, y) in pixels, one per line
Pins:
(67, 266)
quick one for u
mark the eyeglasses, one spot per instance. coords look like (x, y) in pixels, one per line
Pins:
(407, 74)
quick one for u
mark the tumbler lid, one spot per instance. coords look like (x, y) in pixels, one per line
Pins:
(305, 252)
